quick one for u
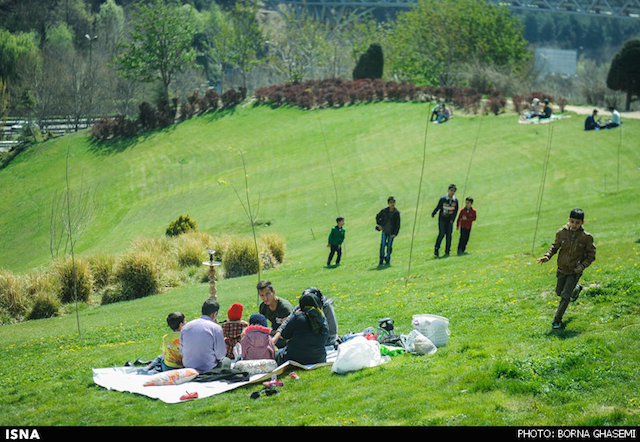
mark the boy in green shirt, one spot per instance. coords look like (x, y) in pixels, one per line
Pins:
(336, 238)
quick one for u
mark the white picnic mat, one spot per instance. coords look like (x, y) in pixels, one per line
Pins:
(129, 379)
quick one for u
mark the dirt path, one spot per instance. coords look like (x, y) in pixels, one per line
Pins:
(586, 110)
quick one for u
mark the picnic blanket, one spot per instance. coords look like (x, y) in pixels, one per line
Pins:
(524, 120)
(132, 380)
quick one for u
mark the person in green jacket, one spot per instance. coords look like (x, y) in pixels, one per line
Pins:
(336, 238)
(576, 251)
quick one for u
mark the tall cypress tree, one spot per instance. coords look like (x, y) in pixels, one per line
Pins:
(624, 73)
(370, 64)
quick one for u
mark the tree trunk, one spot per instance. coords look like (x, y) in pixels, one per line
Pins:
(627, 106)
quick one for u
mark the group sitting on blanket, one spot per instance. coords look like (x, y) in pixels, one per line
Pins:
(534, 110)
(300, 334)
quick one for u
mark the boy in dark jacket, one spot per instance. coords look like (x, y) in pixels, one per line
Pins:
(448, 208)
(336, 238)
(576, 251)
(388, 222)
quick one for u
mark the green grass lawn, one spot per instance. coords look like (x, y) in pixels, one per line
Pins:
(503, 364)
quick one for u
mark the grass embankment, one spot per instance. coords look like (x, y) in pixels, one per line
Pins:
(503, 364)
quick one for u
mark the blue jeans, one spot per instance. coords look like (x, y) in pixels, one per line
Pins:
(386, 247)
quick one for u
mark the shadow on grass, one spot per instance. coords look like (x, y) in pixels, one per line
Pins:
(563, 333)
(119, 145)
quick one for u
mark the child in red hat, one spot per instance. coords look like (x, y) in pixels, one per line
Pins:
(233, 327)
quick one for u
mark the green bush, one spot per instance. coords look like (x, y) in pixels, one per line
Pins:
(240, 258)
(102, 268)
(82, 280)
(111, 294)
(190, 249)
(39, 282)
(45, 305)
(275, 244)
(182, 225)
(12, 299)
(138, 274)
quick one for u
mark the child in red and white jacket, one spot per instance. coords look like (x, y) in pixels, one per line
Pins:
(256, 340)
(466, 218)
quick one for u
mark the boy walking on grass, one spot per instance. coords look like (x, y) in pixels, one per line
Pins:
(448, 208)
(576, 251)
(465, 219)
(336, 238)
(388, 222)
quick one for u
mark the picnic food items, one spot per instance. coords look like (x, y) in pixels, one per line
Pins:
(172, 377)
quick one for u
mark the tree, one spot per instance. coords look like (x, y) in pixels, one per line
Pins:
(19, 60)
(624, 73)
(161, 44)
(299, 45)
(430, 42)
(371, 63)
(248, 41)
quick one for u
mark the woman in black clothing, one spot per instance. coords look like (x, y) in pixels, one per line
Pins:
(306, 332)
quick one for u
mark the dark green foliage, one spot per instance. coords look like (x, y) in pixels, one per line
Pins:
(624, 73)
(371, 64)
(44, 306)
(138, 274)
(181, 225)
(75, 279)
(240, 259)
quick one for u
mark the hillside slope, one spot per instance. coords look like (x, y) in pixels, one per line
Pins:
(139, 186)
(503, 365)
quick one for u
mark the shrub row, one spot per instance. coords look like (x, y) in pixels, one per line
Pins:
(165, 114)
(337, 92)
(148, 267)
(315, 94)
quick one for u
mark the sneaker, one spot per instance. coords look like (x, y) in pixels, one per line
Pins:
(556, 325)
(576, 293)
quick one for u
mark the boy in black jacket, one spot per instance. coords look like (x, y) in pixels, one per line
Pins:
(448, 208)
(388, 222)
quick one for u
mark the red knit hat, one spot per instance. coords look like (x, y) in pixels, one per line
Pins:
(235, 312)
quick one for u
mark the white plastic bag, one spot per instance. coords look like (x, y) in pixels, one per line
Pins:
(434, 327)
(416, 342)
(357, 353)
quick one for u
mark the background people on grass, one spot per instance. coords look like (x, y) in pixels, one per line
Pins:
(388, 222)
(615, 119)
(444, 114)
(591, 122)
(465, 220)
(436, 110)
(336, 238)
(448, 208)
(576, 251)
